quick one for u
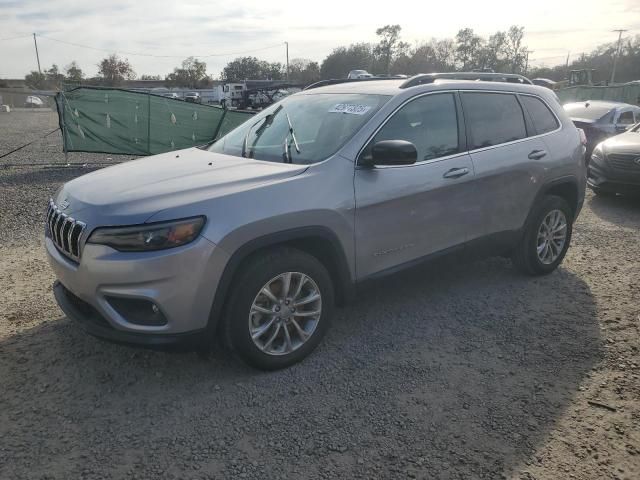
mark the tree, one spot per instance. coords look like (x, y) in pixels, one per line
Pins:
(54, 77)
(468, 48)
(114, 70)
(74, 73)
(36, 80)
(341, 60)
(192, 74)
(515, 51)
(390, 46)
(303, 71)
(243, 68)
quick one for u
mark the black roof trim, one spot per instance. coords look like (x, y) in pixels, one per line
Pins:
(425, 78)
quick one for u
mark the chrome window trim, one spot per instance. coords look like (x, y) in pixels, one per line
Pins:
(424, 162)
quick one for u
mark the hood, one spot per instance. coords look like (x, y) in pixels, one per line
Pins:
(628, 142)
(140, 188)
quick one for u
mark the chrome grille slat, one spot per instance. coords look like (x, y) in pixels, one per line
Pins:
(65, 231)
(624, 161)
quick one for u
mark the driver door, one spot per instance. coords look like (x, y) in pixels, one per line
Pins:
(404, 213)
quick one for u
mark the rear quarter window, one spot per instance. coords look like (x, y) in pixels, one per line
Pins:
(543, 119)
(493, 118)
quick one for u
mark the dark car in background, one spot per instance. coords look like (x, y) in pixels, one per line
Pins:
(193, 97)
(615, 164)
(601, 119)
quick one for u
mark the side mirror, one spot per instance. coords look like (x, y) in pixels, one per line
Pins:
(391, 152)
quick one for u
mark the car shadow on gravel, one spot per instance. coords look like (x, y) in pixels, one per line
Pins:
(42, 175)
(621, 210)
(456, 370)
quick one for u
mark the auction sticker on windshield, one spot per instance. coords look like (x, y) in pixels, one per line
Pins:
(352, 108)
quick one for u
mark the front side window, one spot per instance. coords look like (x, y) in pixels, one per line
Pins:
(542, 118)
(493, 118)
(321, 123)
(429, 122)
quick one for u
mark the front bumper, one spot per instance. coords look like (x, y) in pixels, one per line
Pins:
(90, 320)
(607, 180)
(180, 282)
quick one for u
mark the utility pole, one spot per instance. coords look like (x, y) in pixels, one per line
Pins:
(615, 59)
(526, 60)
(287, 45)
(37, 56)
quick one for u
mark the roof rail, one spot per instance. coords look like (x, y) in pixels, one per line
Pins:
(424, 78)
(336, 81)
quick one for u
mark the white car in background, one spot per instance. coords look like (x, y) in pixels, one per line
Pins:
(33, 102)
(359, 74)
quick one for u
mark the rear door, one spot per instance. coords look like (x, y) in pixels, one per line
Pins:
(404, 213)
(508, 159)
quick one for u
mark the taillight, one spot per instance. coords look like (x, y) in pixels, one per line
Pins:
(583, 137)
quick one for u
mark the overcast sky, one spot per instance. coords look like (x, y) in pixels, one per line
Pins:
(205, 28)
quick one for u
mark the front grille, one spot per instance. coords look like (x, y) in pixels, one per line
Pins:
(65, 231)
(627, 162)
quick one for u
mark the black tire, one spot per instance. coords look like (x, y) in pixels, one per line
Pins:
(525, 257)
(253, 275)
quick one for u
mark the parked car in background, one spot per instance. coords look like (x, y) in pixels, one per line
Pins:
(356, 74)
(253, 239)
(601, 119)
(33, 102)
(615, 164)
(544, 82)
(193, 97)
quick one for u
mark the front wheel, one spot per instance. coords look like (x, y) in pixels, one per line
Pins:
(280, 308)
(546, 237)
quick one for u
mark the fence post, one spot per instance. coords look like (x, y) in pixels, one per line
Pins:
(148, 123)
(215, 134)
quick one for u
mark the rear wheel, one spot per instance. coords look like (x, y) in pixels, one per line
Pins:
(546, 237)
(280, 308)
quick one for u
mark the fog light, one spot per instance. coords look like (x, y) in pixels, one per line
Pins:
(138, 311)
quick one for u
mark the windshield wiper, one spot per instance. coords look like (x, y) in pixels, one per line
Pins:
(292, 132)
(287, 144)
(266, 121)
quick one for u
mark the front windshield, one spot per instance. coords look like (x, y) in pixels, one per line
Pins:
(301, 129)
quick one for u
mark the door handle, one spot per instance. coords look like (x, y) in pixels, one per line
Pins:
(537, 154)
(456, 172)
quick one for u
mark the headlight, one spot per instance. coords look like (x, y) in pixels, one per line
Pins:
(598, 154)
(149, 237)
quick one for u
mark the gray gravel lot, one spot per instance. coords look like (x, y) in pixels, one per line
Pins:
(457, 370)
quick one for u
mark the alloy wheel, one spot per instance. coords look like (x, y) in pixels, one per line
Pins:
(552, 236)
(285, 313)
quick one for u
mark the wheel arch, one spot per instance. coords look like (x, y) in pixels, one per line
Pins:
(318, 241)
(564, 187)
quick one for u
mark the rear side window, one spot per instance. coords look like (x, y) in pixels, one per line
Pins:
(429, 122)
(626, 118)
(493, 118)
(543, 119)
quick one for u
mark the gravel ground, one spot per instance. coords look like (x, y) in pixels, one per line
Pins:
(457, 370)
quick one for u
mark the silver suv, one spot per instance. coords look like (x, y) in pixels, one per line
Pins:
(255, 238)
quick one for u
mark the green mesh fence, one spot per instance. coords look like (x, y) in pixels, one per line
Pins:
(137, 123)
(628, 93)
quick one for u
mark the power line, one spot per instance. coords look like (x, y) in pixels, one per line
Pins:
(159, 56)
(13, 38)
